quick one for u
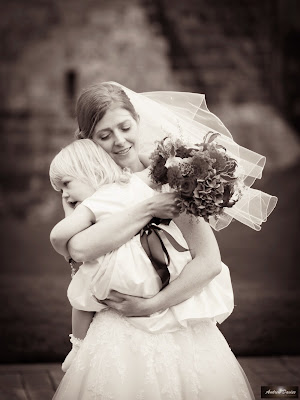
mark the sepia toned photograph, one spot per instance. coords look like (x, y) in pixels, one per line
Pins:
(149, 199)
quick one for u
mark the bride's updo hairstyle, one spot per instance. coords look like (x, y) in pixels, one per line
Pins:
(93, 104)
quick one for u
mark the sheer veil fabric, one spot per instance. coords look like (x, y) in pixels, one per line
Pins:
(186, 116)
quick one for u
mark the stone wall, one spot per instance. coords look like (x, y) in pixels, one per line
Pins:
(222, 48)
(241, 54)
(51, 50)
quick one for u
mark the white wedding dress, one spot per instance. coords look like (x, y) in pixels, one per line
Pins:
(118, 361)
(177, 354)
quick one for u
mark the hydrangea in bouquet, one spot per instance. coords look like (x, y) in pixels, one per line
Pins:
(204, 175)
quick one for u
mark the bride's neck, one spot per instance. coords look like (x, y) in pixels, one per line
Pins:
(144, 175)
(137, 166)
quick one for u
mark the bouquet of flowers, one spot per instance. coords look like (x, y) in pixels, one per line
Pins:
(204, 175)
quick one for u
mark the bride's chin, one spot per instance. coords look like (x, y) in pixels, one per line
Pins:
(130, 156)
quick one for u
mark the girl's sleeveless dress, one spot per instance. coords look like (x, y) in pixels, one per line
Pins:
(175, 354)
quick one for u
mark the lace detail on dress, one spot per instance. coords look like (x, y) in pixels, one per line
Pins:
(117, 361)
(159, 353)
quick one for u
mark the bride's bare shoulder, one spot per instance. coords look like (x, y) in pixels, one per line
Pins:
(145, 160)
(146, 178)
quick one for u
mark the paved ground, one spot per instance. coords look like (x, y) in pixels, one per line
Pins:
(39, 381)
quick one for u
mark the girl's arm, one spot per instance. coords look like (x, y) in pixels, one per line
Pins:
(205, 265)
(119, 228)
(80, 219)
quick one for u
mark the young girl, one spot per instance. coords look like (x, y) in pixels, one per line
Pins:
(96, 187)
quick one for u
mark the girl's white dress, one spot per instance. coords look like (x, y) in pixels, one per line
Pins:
(175, 354)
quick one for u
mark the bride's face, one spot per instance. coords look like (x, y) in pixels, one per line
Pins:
(117, 134)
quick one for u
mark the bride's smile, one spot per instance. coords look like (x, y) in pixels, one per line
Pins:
(117, 134)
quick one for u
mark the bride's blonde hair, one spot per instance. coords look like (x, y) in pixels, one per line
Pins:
(88, 162)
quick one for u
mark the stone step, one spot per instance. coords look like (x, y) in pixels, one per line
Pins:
(39, 381)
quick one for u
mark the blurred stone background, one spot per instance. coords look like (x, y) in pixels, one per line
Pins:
(242, 54)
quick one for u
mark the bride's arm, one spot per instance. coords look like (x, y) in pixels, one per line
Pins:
(205, 265)
(111, 233)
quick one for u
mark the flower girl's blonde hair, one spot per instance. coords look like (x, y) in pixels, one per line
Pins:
(88, 162)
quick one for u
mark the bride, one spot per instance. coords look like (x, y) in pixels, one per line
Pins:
(117, 360)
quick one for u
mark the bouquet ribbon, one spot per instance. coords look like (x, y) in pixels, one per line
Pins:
(156, 250)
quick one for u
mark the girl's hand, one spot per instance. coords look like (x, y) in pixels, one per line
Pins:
(68, 209)
(165, 205)
(130, 306)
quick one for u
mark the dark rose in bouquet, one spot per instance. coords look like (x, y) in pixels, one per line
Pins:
(160, 171)
(188, 186)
